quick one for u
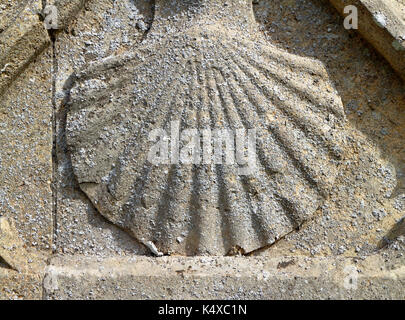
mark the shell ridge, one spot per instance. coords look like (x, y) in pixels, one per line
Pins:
(81, 98)
(144, 183)
(284, 57)
(245, 123)
(283, 140)
(259, 217)
(163, 214)
(235, 183)
(297, 87)
(290, 115)
(244, 101)
(288, 210)
(224, 200)
(206, 213)
(194, 240)
(215, 117)
(142, 55)
(212, 217)
(278, 138)
(141, 139)
(173, 198)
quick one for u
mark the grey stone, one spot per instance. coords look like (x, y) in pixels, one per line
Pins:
(26, 131)
(203, 64)
(21, 40)
(287, 277)
(361, 187)
(20, 286)
(371, 178)
(11, 247)
(102, 28)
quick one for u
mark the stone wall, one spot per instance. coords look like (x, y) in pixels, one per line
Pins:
(54, 244)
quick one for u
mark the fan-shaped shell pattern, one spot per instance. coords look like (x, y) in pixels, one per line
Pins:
(206, 81)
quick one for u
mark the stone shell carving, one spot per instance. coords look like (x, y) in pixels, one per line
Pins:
(205, 72)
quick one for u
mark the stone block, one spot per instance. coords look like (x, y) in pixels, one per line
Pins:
(26, 128)
(236, 278)
(382, 23)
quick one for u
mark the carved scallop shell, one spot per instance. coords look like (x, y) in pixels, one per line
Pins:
(206, 80)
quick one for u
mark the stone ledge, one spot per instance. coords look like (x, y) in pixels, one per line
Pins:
(26, 37)
(23, 40)
(389, 37)
(77, 277)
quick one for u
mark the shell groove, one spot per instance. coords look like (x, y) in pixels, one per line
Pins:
(206, 82)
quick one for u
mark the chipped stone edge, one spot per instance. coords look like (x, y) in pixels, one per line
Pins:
(21, 53)
(385, 39)
(22, 273)
(32, 41)
(11, 247)
(67, 10)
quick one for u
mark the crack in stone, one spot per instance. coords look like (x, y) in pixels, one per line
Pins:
(54, 142)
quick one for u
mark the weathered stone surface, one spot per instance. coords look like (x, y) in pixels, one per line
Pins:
(351, 66)
(205, 67)
(285, 277)
(363, 207)
(396, 232)
(21, 40)
(20, 286)
(10, 11)
(363, 210)
(102, 28)
(67, 10)
(15, 254)
(11, 247)
(364, 204)
(382, 23)
(26, 153)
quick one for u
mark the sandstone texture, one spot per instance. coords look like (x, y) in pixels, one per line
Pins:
(23, 37)
(102, 29)
(236, 278)
(26, 127)
(222, 75)
(382, 23)
(58, 241)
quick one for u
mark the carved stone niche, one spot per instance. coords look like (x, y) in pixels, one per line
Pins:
(204, 64)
